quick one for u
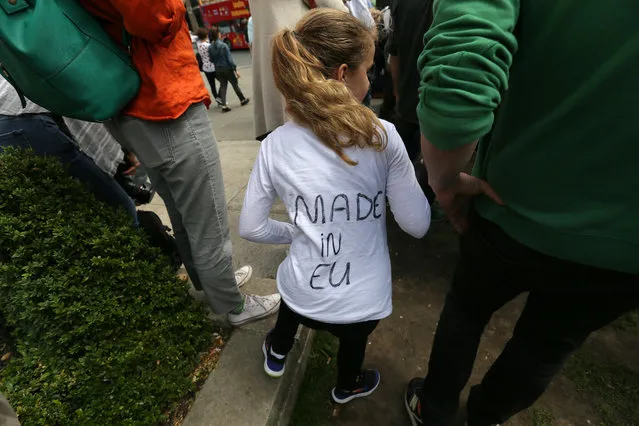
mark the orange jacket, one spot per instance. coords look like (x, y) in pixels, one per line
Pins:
(162, 52)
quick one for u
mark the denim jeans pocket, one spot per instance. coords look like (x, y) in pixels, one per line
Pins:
(16, 138)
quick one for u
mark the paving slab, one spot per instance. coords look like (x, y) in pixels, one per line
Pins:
(239, 393)
(238, 123)
(237, 159)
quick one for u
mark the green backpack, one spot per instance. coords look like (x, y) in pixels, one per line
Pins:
(57, 54)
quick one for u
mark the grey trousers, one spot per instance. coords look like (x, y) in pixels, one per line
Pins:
(183, 163)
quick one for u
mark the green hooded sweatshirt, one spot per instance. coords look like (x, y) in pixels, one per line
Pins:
(552, 87)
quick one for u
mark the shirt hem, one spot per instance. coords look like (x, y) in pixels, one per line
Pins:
(593, 250)
(385, 313)
(143, 115)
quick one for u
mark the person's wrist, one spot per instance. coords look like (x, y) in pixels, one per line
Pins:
(444, 182)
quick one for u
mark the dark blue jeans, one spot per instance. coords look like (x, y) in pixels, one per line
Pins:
(42, 134)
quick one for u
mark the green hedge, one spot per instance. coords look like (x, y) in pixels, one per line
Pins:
(104, 332)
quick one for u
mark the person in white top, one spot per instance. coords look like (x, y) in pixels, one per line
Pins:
(361, 9)
(249, 33)
(208, 68)
(333, 166)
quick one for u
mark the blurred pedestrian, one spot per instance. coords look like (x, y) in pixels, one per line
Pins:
(212, 28)
(270, 16)
(361, 10)
(208, 68)
(249, 34)
(226, 70)
(411, 20)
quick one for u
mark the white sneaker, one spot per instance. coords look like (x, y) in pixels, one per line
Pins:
(256, 307)
(242, 276)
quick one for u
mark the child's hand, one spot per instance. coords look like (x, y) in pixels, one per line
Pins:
(237, 75)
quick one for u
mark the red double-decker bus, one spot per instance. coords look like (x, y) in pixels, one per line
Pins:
(231, 17)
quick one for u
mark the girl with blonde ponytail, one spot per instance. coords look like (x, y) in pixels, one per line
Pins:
(333, 166)
(321, 71)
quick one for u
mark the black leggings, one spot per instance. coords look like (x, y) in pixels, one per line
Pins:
(227, 76)
(353, 339)
(210, 76)
(566, 302)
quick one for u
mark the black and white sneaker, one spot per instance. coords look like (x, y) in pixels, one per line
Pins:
(274, 363)
(367, 382)
(412, 401)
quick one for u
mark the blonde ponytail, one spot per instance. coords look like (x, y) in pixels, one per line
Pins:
(304, 61)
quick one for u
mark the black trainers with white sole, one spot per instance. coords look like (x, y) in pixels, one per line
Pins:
(274, 363)
(412, 401)
(367, 382)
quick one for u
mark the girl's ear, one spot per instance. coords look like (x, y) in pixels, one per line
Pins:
(340, 73)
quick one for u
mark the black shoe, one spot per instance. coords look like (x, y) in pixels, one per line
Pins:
(245, 101)
(367, 382)
(412, 401)
(226, 108)
(274, 363)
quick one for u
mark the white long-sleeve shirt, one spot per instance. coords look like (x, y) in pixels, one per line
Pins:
(338, 269)
(361, 10)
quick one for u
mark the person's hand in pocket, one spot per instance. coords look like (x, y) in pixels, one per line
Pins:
(455, 198)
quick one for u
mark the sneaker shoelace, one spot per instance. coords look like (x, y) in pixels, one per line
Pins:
(250, 302)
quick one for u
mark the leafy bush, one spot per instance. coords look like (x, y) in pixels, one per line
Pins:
(105, 333)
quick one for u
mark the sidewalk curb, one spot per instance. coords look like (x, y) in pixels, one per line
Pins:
(239, 393)
(290, 387)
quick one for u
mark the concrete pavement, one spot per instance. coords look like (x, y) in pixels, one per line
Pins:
(238, 123)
